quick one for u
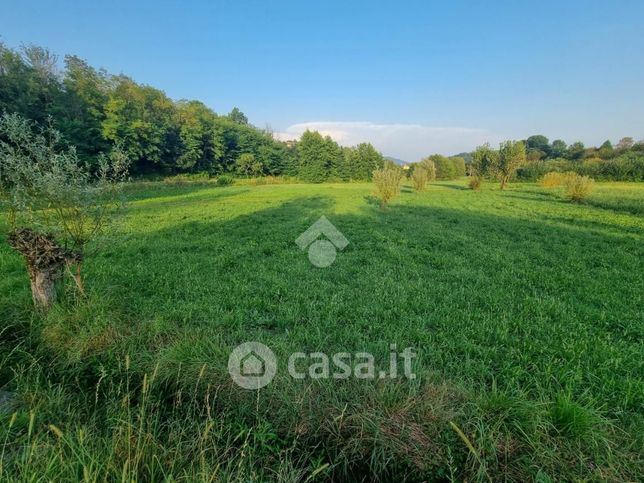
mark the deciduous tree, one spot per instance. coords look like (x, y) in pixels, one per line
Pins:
(511, 156)
(55, 205)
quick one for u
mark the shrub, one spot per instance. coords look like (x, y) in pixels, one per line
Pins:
(419, 177)
(387, 183)
(475, 182)
(431, 170)
(428, 165)
(185, 178)
(225, 180)
(627, 167)
(576, 187)
(553, 179)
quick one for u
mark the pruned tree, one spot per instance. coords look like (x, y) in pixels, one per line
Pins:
(428, 165)
(387, 182)
(55, 204)
(484, 158)
(510, 157)
(419, 177)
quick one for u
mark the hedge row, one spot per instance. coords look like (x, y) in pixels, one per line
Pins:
(627, 167)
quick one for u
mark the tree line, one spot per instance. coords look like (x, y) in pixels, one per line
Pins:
(94, 111)
(623, 161)
(538, 148)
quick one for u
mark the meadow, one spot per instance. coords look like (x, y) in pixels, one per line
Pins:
(525, 311)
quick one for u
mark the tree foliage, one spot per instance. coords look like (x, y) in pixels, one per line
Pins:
(54, 202)
(94, 111)
(387, 184)
(511, 156)
(448, 168)
(419, 178)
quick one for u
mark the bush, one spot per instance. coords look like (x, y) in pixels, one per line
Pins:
(419, 177)
(576, 187)
(225, 180)
(553, 179)
(431, 170)
(184, 178)
(428, 165)
(475, 182)
(627, 167)
(387, 183)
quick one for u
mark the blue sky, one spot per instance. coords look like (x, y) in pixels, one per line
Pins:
(413, 78)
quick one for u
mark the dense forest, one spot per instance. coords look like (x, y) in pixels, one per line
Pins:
(95, 110)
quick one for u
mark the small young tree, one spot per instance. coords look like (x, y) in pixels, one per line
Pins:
(55, 205)
(511, 156)
(428, 165)
(419, 177)
(387, 183)
(483, 160)
(475, 182)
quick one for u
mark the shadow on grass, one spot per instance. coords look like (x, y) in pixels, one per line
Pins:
(138, 192)
(448, 185)
(372, 200)
(629, 206)
(248, 271)
(487, 301)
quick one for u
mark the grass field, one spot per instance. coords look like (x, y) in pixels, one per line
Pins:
(525, 311)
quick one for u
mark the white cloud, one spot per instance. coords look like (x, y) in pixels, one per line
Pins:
(410, 142)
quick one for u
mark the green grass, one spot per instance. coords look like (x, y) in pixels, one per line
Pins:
(525, 311)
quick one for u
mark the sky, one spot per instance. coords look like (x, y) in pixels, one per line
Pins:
(413, 78)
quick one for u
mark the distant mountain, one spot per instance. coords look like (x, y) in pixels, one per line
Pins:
(399, 162)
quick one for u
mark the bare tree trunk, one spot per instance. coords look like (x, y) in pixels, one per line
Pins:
(45, 261)
(504, 181)
(43, 286)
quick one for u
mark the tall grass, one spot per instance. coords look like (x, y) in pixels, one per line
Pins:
(131, 383)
